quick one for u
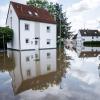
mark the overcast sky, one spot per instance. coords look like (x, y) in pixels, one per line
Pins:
(81, 13)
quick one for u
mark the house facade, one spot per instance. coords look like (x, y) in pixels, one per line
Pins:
(87, 35)
(34, 28)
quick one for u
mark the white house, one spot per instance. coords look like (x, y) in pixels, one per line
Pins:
(34, 28)
(87, 35)
(32, 67)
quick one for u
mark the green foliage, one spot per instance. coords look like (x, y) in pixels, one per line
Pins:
(38, 3)
(92, 43)
(63, 27)
(6, 33)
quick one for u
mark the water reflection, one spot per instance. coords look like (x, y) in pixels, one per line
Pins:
(86, 62)
(6, 63)
(37, 70)
(52, 75)
(83, 51)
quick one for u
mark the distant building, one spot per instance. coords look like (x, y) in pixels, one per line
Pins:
(87, 35)
(34, 28)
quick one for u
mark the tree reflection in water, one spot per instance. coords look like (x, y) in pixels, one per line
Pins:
(6, 64)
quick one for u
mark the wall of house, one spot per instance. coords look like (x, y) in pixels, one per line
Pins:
(37, 30)
(90, 38)
(27, 34)
(15, 26)
(44, 35)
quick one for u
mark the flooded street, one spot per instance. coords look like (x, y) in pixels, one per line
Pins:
(51, 74)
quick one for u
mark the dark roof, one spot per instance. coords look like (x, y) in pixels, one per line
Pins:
(89, 32)
(89, 54)
(27, 12)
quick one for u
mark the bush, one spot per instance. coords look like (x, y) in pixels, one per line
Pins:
(92, 43)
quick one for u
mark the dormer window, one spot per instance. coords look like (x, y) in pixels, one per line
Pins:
(36, 13)
(30, 13)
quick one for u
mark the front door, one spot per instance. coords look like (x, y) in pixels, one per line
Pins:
(37, 43)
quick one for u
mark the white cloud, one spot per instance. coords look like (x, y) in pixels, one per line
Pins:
(81, 14)
(92, 24)
(84, 5)
(3, 14)
(53, 0)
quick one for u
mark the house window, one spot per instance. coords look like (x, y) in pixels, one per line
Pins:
(48, 41)
(48, 29)
(36, 42)
(36, 56)
(92, 37)
(48, 67)
(27, 40)
(26, 26)
(27, 59)
(83, 39)
(31, 42)
(31, 56)
(48, 55)
(28, 73)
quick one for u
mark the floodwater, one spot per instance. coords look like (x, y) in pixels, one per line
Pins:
(51, 74)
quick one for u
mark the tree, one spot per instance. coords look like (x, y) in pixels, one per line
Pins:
(63, 27)
(6, 35)
(38, 3)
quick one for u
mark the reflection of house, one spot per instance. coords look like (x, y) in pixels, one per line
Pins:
(33, 27)
(33, 69)
(88, 51)
(87, 35)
